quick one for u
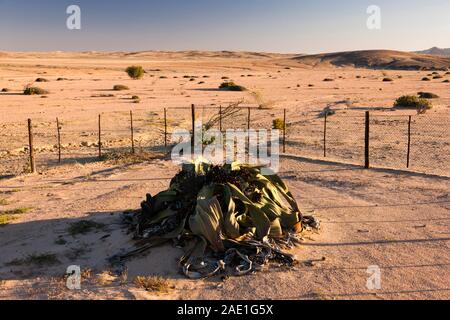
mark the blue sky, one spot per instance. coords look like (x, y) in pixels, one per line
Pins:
(296, 26)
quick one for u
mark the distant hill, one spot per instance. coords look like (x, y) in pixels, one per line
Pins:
(377, 59)
(436, 51)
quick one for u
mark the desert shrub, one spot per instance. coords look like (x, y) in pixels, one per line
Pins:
(446, 81)
(41, 80)
(413, 102)
(426, 79)
(310, 85)
(29, 91)
(61, 79)
(400, 77)
(163, 77)
(225, 78)
(447, 73)
(201, 82)
(231, 86)
(328, 79)
(136, 99)
(387, 80)
(438, 77)
(120, 87)
(278, 124)
(135, 72)
(5, 90)
(427, 95)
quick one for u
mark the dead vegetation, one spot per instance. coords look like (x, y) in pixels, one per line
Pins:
(84, 227)
(153, 283)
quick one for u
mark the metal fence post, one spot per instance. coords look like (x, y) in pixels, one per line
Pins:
(99, 136)
(325, 136)
(284, 131)
(30, 143)
(58, 128)
(409, 142)
(132, 132)
(367, 142)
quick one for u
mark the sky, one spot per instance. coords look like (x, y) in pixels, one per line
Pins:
(285, 26)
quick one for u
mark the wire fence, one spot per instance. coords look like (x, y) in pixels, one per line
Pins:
(419, 143)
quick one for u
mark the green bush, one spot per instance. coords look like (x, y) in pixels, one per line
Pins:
(231, 86)
(29, 91)
(413, 102)
(278, 124)
(135, 72)
(120, 87)
(427, 95)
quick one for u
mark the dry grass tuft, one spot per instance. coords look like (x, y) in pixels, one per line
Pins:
(153, 283)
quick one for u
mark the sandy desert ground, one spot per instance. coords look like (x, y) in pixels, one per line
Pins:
(387, 216)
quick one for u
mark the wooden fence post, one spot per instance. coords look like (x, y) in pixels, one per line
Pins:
(30, 144)
(193, 129)
(220, 118)
(132, 132)
(284, 131)
(409, 142)
(248, 126)
(325, 135)
(165, 128)
(58, 128)
(367, 142)
(99, 136)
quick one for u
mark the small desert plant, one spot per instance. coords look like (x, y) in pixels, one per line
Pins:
(38, 259)
(135, 72)
(446, 81)
(5, 90)
(120, 87)
(328, 79)
(278, 124)
(413, 102)
(83, 227)
(41, 80)
(426, 79)
(153, 283)
(231, 86)
(387, 80)
(438, 77)
(29, 91)
(136, 99)
(61, 79)
(427, 95)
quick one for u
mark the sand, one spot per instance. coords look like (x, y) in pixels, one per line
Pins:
(394, 219)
